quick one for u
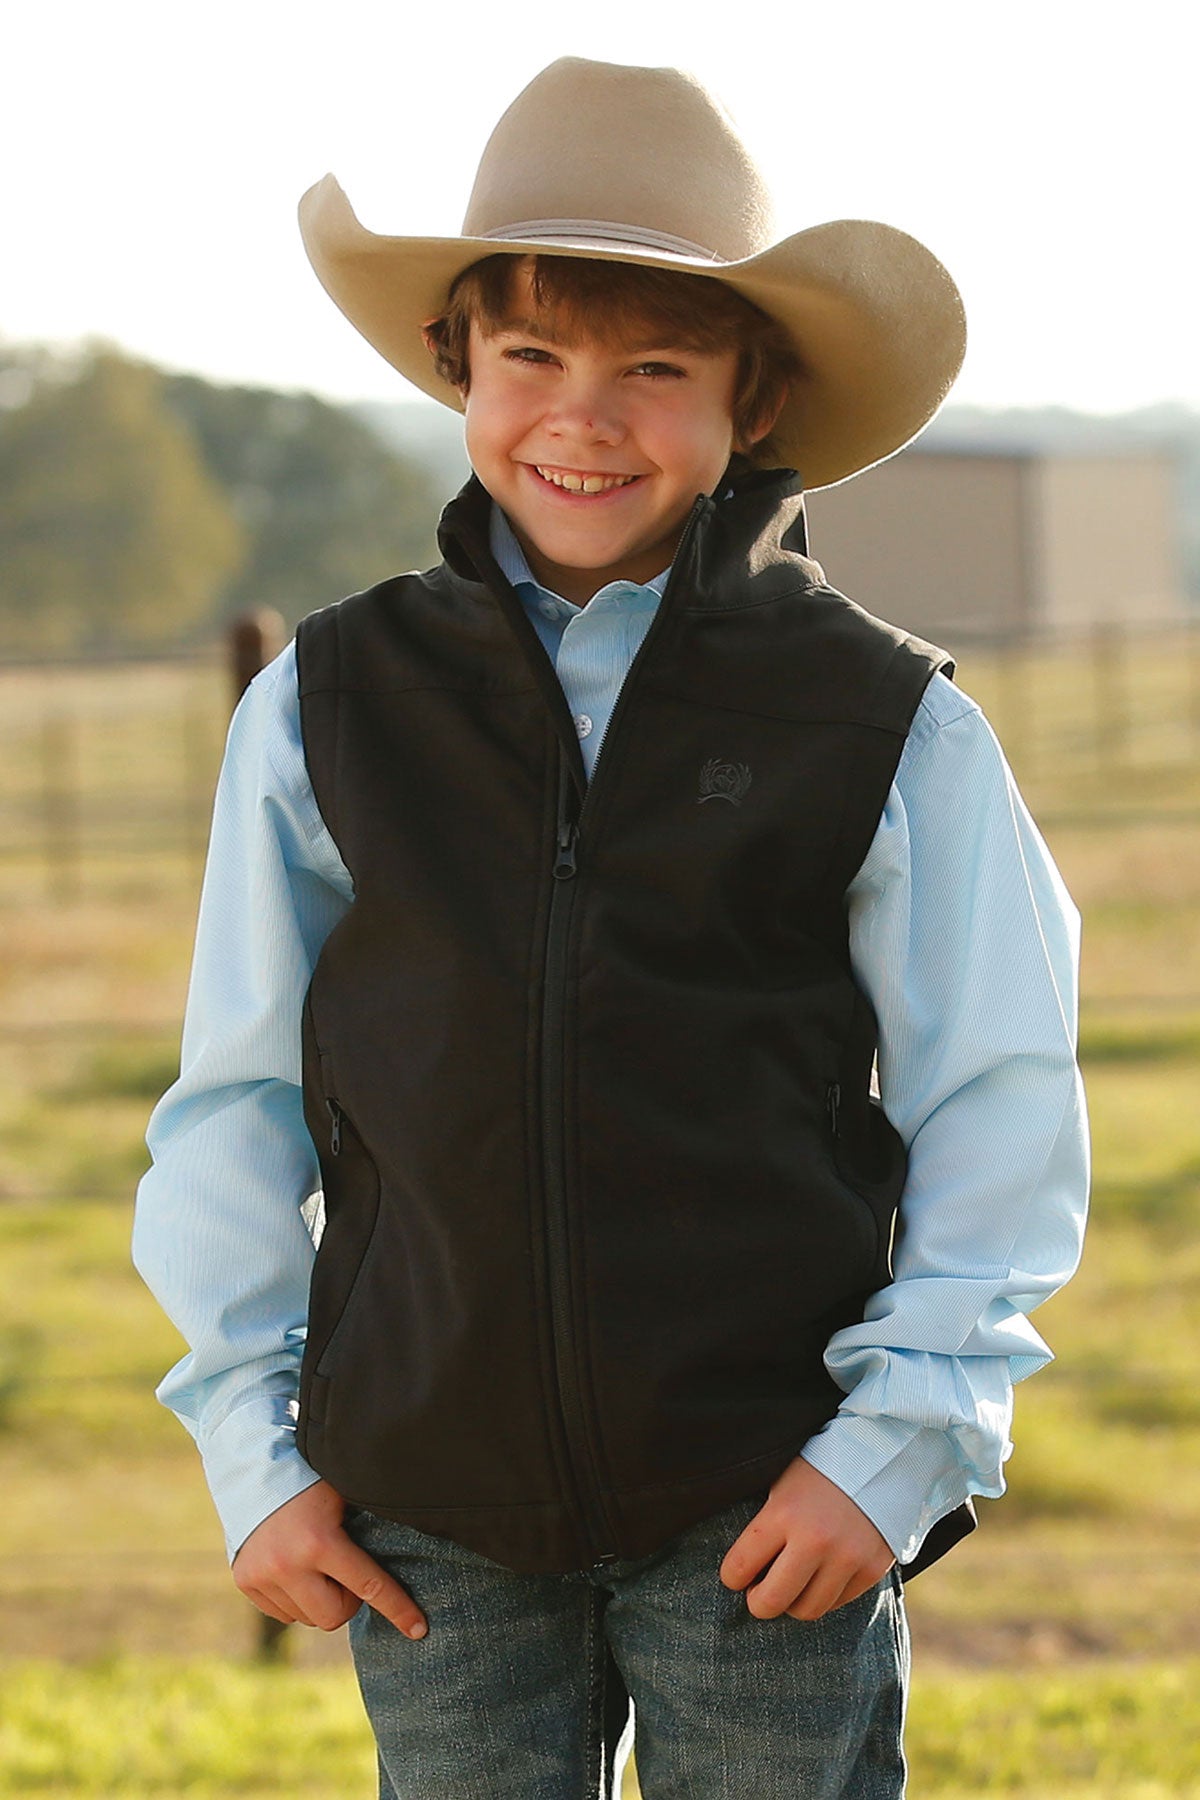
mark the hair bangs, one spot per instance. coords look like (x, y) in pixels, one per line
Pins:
(578, 298)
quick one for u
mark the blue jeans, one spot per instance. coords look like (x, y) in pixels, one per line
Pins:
(505, 1698)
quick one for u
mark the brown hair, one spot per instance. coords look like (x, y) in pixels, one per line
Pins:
(610, 300)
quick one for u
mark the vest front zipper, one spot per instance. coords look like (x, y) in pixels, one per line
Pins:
(554, 1002)
(590, 1507)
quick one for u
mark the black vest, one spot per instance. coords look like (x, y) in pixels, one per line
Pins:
(585, 1065)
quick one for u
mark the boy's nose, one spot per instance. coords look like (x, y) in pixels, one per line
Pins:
(588, 417)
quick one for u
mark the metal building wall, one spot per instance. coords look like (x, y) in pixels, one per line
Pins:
(932, 541)
(957, 544)
(1107, 550)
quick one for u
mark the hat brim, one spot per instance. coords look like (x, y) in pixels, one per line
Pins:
(877, 322)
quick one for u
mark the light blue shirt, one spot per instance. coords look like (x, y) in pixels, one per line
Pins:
(962, 936)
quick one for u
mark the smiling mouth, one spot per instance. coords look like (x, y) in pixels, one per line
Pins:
(577, 482)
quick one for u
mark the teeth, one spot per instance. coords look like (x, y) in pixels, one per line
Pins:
(584, 484)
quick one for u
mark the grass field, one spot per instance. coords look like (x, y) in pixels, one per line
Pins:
(1057, 1653)
(131, 1728)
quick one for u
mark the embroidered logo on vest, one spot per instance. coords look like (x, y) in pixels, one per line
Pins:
(723, 781)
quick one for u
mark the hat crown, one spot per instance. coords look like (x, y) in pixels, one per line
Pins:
(651, 149)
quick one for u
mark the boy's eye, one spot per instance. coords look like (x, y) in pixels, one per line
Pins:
(527, 353)
(660, 370)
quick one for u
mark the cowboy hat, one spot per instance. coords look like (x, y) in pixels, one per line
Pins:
(644, 166)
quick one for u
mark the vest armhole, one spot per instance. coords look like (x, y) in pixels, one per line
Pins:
(318, 664)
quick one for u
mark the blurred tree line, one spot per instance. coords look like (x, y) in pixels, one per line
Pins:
(141, 510)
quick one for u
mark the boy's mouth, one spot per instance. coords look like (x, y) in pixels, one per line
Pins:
(578, 481)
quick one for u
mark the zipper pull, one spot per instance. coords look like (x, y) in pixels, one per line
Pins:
(833, 1100)
(335, 1129)
(564, 862)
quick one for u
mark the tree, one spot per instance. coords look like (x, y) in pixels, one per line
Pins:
(139, 509)
(112, 532)
(326, 507)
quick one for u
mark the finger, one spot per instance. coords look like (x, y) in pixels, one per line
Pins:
(322, 1602)
(782, 1583)
(265, 1606)
(362, 1575)
(291, 1599)
(861, 1584)
(275, 1604)
(268, 1599)
(828, 1589)
(750, 1553)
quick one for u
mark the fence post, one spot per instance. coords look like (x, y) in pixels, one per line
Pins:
(254, 638)
(273, 1643)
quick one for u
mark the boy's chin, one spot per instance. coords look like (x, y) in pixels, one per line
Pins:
(611, 553)
(577, 577)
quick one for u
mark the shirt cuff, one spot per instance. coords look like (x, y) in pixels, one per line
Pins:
(252, 1465)
(903, 1477)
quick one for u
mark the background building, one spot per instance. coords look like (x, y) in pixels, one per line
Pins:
(1004, 542)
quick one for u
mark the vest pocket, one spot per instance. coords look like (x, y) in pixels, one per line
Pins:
(351, 1183)
(869, 1157)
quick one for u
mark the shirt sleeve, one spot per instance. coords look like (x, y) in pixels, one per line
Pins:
(966, 942)
(222, 1231)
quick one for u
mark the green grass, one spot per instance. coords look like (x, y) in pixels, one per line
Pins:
(1086, 1733)
(86, 1341)
(212, 1730)
(126, 1728)
(1130, 1041)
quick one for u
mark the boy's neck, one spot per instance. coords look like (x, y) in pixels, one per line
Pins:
(576, 585)
(581, 585)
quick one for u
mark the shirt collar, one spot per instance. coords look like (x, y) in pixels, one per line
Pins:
(514, 565)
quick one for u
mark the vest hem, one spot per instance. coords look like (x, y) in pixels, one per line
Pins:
(675, 1484)
(788, 1448)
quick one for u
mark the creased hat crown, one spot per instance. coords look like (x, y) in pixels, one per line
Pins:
(601, 143)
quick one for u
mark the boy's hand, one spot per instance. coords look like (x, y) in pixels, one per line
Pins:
(822, 1550)
(301, 1567)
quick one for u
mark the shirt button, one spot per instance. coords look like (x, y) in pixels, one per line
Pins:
(582, 724)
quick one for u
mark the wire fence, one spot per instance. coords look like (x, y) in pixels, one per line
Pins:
(1098, 702)
(107, 773)
(104, 768)
(107, 769)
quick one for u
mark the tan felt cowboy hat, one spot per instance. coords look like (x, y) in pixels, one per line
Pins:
(644, 166)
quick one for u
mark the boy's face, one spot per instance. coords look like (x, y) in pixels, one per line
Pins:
(645, 426)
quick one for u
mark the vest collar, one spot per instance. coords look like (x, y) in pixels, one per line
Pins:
(741, 550)
(757, 529)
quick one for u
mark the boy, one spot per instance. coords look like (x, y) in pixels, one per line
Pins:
(621, 1365)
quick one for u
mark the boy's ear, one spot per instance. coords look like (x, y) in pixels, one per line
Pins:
(764, 425)
(434, 346)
